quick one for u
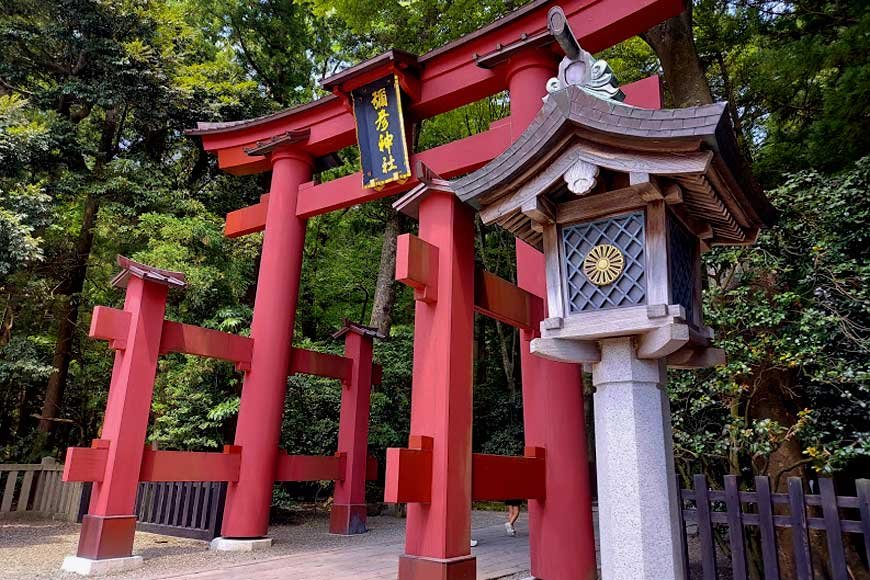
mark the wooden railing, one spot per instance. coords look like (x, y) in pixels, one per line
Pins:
(189, 509)
(37, 490)
(761, 513)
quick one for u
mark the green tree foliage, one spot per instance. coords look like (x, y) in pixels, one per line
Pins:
(23, 205)
(412, 26)
(797, 75)
(792, 312)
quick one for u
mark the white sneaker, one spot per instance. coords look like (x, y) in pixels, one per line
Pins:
(473, 543)
(509, 529)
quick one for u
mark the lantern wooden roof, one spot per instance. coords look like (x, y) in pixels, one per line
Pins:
(584, 157)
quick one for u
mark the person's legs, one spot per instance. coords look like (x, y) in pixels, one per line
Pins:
(513, 514)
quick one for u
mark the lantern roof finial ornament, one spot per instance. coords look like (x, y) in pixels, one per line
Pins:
(579, 68)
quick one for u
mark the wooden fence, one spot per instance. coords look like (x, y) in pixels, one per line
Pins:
(838, 516)
(36, 490)
(187, 509)
(182, 508)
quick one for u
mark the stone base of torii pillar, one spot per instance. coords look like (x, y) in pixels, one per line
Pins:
(639, 521)
(91, 567)
(221, 544)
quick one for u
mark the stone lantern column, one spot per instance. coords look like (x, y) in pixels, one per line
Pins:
(639, 520)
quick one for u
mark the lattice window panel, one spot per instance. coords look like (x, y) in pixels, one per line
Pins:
(626, 232)
(681, 262)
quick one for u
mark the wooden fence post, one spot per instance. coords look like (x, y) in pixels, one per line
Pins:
(833, 530)
(766, 526)
(9, 491)
(800, 538)
(863, 487)
(24, 495)
(735, 528)
(684, 535)
(705, 527)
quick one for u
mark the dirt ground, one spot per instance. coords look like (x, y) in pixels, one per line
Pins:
(31, 550)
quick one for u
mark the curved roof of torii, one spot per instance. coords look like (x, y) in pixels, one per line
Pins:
(693, 147)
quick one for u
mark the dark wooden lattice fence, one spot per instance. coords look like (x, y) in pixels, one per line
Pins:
(184, 508)
(839, 517)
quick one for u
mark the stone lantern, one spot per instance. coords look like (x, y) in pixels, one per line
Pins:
(623, 201)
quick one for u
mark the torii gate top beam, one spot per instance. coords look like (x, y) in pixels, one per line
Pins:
(449, 77)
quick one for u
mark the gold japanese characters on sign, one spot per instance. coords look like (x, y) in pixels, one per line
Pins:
(382, 124)
(381, 133)
(603, 264)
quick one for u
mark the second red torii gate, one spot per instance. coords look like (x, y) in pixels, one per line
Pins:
(119, 460)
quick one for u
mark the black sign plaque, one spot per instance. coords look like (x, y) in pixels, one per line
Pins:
(380, 131)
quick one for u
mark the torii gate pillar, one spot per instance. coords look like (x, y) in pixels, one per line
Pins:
(349, 512)
(439, 530)
(561, 536)
(247, 509)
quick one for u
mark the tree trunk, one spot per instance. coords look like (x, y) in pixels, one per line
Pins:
(507, 347)
(775, 398)
(72, 288)
(674, 44)
(385, 287)
(68, 317)
(7, 320)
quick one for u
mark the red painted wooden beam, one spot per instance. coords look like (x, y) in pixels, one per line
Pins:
(497, 298)
(455, 158)
(248, 219)
(318, 467)
(409, 472)
(321, 364)
(417, 266)
(371, 469)
(86, 463)
(330, 366)
(309, 467)
(494, 477)
(89, 464)
(501, 477)
(191, 465)
(110, 324)
(449, 160)
(450, 77)
(187, 339)
(646, 93)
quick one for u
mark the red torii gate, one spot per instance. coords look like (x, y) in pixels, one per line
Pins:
(119, 459)
(437, 474)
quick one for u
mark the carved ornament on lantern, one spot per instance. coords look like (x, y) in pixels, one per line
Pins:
(581, 177)
(603, 264)
(579, 68)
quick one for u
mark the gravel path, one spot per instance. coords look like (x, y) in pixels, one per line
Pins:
(35, 549)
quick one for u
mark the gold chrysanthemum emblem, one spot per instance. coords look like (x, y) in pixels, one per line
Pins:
(603, 264)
